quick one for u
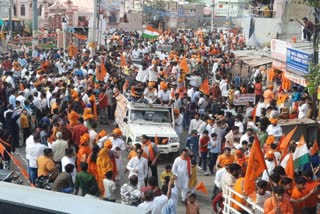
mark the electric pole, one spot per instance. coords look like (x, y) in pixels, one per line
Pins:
(10, 19)
(35, 26)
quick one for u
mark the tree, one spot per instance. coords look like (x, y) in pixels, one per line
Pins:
(314, 76)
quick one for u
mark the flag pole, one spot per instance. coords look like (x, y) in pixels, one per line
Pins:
(312, 168)
(272, 188)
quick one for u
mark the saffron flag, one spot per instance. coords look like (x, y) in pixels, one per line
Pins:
(301, 154)
(314, 149)
(256, 165)
(101, 73)
(204, 87)
(184, 65)
(283, 145)
(201, 188)
(290, 167)
(2, 149)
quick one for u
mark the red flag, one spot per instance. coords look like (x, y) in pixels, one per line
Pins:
(314, 149)
(256, 165)
(204, 87)
(290, 167)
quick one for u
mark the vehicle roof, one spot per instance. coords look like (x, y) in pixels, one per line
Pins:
(143, 106)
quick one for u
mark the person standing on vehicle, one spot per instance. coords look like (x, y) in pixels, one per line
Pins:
(153, 153)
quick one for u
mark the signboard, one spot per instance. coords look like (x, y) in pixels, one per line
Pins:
(279, 49)
(298, 60)
(243, 99)
(296, 78)
(281, 66)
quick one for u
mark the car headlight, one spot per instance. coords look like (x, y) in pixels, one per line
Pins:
(138, 139)
(174, 139)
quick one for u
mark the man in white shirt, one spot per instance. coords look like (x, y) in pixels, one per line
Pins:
(260, 106)
(142, 72)
(228, 179)
(275, 129)
(195, 123)
(69, 158)
(59, 147)
(153, 204)
(138, 166)
(34, 149)
(303, 108)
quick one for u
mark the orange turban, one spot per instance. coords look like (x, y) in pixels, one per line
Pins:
(273, 121)
(74, 94)
(73, 115)
(102, 134)
(176, 111)
(117, 131)
(239, 152)
(88, 116)
(92, 98)
(270, 139)
(107, 144)
(87, 111)
(84, 138)
(151, 84)
(164, 86)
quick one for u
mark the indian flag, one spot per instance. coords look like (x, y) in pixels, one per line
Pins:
(150, 33)
(301, 154)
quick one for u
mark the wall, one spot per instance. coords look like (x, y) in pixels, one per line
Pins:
(265, 30)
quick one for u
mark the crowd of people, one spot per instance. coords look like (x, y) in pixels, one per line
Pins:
(63, 102)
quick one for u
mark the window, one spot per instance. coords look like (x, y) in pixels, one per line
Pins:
(22, 10)
(113, 18)
(40, 10)
(14, 10)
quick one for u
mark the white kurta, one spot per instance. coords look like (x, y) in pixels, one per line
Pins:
(118, 143)
(138, 167)
(180, 169)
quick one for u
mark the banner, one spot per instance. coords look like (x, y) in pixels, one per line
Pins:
(243, 99)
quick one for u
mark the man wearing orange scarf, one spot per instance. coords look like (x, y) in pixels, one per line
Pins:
(84, 150)
(181, 170)
(153, 153)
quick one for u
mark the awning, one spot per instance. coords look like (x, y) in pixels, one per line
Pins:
(296, 78)
(256, 62)
(253, 58)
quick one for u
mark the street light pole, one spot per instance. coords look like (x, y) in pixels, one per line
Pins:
(34, 24)
(212, 15)
(10, 19)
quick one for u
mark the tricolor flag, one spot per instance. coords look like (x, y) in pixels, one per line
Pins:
(150, 33)
(301, 154)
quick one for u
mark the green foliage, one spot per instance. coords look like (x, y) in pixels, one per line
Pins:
(312, 3)
(313, 78)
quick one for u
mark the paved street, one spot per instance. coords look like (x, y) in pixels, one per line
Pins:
(203, 200)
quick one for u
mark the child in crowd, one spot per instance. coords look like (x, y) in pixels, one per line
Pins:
(166, 173)
(192, 207)
(110, 188)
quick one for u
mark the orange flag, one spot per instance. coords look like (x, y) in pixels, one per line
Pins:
(256, 165)
(290, 167)
(204, 87)
(283, 145)
(101, 74)
(125, 86)
(123, 61)
(201, 188)
(315, 148)
(184, 65)
(4, 142)
(2, 149)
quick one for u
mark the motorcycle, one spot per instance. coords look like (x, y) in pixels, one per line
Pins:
(10, 176)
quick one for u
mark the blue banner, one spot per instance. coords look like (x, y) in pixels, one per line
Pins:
(298, 60)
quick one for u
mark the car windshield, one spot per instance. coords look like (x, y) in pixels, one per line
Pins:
(151, 116)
